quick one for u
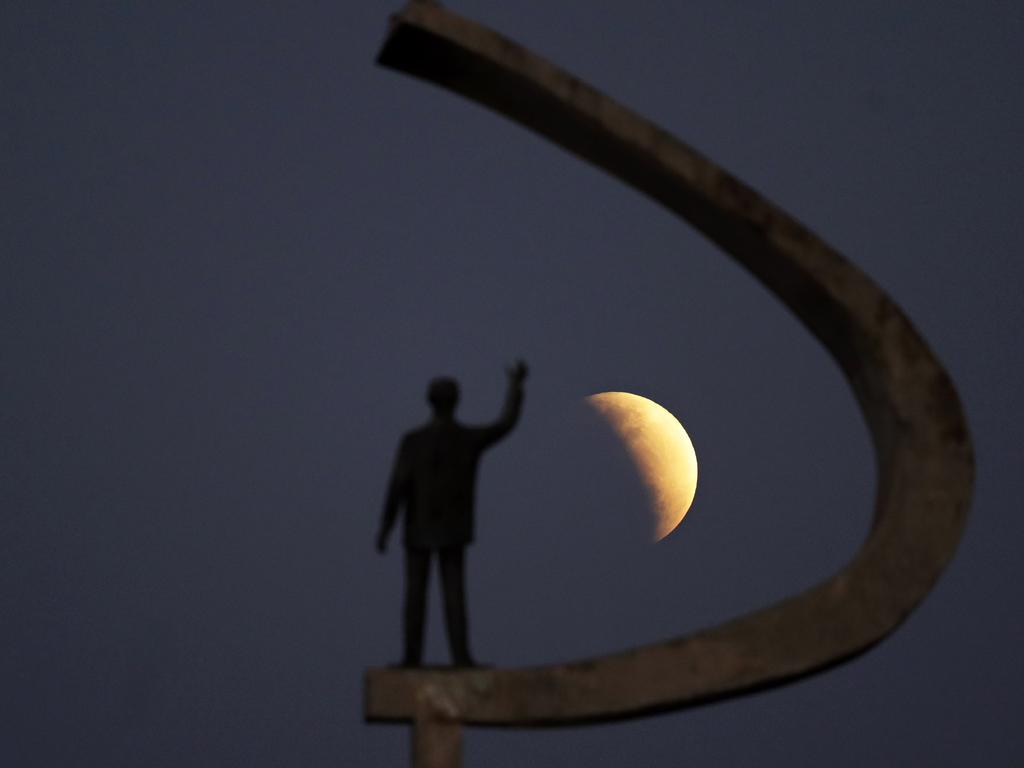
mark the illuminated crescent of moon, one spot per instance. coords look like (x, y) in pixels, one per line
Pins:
(661, 450)
(924, 455)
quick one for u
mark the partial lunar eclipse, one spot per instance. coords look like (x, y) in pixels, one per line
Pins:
(660, 449)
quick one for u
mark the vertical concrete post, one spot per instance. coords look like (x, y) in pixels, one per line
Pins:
(436, 731)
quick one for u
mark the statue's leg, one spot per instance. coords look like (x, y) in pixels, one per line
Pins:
(452, 567)
(417, 573)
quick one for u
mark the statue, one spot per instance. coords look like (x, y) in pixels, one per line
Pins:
(920, 434)
(433, 479)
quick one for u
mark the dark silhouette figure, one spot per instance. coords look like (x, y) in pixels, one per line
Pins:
(433, 479)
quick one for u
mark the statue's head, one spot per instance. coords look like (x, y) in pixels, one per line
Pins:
(443, 395)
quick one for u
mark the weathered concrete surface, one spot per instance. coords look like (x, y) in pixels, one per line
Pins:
(925, 461)
(436, 730)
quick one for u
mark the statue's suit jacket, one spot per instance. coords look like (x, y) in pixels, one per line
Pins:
(434, 477)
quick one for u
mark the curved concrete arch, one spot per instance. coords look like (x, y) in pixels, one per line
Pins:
(919, 432)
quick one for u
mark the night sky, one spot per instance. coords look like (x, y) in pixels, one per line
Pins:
(233, 251)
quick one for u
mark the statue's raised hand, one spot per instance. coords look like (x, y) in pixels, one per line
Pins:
(517, 373)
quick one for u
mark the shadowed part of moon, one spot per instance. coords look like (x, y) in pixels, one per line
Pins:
(660, 449)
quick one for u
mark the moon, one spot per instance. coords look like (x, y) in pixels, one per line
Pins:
(660, 449)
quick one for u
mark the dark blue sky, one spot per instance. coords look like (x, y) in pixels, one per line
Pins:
(233, 252)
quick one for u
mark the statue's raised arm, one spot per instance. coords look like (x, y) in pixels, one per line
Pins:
(513, 406)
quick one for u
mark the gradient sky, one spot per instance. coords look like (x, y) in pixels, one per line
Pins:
(233, 251)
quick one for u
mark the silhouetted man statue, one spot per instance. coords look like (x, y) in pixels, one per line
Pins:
(433, 479)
